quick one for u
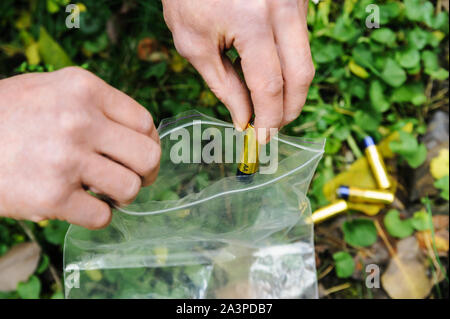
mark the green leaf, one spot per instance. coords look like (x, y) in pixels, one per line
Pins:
(324, 52)
(45, 261)
(408, 147)
(384, 35)
(98, 45)
(30, 289)
(368, 119)
(360, 232)
(51, 52)
(57, 295)
(441, 21)
(52, 6)
(420, 221)
(442, 184)
(389, 11)
(377, 97)
(345, 265)
(168, 195)
(157, 70)
(418, 157)
(440, 74)
(414, 93)
(55, 232)
(363, 56)
(428, 13)
(345, 30)
(430, 61)
(393, 74)
(409, 58)
(332, 146)
(414, 10)
(418, 38)
(397, 227)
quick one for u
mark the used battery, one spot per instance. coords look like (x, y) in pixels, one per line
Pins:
(376, 163)
(359, 195)
(249, 160)
(329, 211)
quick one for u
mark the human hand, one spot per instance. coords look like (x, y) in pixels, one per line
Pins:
(272, 40)
(63, 132)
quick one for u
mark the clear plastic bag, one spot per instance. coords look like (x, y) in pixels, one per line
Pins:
(198, 232)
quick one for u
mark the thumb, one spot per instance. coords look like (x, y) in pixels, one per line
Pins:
(224, 82)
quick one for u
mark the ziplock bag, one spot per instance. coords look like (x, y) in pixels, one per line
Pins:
(198, 232)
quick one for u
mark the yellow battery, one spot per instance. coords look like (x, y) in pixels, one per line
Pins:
(329, 211)
(376, 163)
(359, 195)
(249, 161)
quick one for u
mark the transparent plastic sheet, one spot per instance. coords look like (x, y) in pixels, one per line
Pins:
(197, 232)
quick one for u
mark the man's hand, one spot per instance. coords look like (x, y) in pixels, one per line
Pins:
(272, 40)
(63, 132)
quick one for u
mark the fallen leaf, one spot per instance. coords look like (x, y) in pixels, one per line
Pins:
(440, 239)
(406, 276)
(150, 50)
(18, 264)
(440, 222)
(439, 166)
(51, 52)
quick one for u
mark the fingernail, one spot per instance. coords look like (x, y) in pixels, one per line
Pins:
(238, 127)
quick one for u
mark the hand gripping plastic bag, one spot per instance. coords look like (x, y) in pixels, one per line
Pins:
(198, 232)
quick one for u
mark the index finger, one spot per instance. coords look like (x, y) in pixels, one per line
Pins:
(122, 109)
(262, 72)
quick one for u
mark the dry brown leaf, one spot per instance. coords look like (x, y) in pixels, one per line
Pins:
(406, 276)
(440, 239)
(440, 222)
(18, 264)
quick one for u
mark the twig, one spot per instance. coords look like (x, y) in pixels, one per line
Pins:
(325, 272)
(337, 288)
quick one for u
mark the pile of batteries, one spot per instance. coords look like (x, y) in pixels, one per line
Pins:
(382, 195)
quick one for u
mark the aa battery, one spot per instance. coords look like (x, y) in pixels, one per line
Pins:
(359, 195)
(249, 161)
(376, 163)
(329, 211)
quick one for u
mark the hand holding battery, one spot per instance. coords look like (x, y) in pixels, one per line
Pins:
(272, 40)
(67, 131)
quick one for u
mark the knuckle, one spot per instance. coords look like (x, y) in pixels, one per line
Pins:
(258, 10)
(81, 81)
(153, 154)
(132, 184)
(146, 122)
(271, 87)
(60, 161)
(308, 74)
(189, 47)
(301, 78)
(74, 120)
